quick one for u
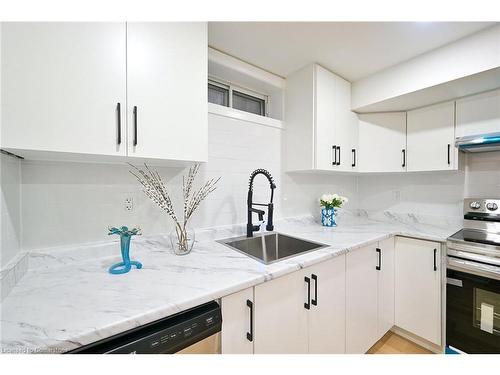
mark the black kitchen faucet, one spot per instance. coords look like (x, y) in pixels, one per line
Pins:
(250, 209)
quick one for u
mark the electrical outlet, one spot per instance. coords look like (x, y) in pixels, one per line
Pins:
(396, 196)
(129, 204)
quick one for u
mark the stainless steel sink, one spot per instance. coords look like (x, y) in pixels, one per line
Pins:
(271, 246)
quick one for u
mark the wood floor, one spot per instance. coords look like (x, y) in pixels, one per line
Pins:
(395, 344)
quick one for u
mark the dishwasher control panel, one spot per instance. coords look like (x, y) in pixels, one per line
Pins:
(168, 335)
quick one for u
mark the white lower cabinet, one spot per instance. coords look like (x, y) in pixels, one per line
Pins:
(369, 295)
(386, 286)
(361, 300)
(237, 325)
(418, 288)
(343, 305)
(326, 319)
(302, 312)
(281, 316)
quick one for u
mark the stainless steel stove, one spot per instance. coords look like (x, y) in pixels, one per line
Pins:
(473, 280)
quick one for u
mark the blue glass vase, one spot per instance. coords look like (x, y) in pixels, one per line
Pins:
(328, 218)
(125, 237)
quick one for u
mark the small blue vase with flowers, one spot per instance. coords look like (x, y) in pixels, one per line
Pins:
(329, 205)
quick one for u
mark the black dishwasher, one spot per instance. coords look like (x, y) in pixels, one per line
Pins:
(195, 331)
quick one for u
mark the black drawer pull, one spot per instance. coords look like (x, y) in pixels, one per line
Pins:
(449, 156)
(119, 117)
(378, 267)
(314, 301)
(435, 260)
(338, 160)
(353, 157)
(404, 158)
(334, 155)
(135, 125)
(307, 305)
(250, 334)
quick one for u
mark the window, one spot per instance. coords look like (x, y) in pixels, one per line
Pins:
(237, 98)
(248, 103)
(218, 93)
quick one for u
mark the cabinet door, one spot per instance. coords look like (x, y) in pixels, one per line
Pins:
(478, 114)
(280, 316)
(237, 327)
(382, 142)
(418, 288)
(346, 126)
(61, 85)
(327, 315)
(386, 286)
(325, 96)
(361, 300)
(167, 90)
(431, 138)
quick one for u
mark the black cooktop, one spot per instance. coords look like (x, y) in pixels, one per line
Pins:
(477, 236)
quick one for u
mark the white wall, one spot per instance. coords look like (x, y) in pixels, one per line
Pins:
(433, 197)
(436, 197)
(483, 175)
(69, 203)
(10, 208)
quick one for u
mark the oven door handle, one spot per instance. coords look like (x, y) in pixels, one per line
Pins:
(474, 268)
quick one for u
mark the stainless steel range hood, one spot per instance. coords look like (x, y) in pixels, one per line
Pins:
(479, 143)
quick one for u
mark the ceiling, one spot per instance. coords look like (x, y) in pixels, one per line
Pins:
(353, 50)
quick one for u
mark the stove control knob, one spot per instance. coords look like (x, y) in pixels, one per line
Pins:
(491, 206)
(475, 205)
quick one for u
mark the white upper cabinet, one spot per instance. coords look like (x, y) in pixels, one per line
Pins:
(346, 127)
(62, 84)
(324, 119)
(418, 288)
(479, 114)
(321, 130)
(431, 138)
(167, 90)
(106, 89)
(382, 142)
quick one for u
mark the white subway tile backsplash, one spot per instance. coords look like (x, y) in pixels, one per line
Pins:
(73, 203)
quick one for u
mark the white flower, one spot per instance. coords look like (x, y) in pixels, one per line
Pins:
(326, 197)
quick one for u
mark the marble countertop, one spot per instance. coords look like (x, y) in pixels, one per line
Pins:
(68, 299)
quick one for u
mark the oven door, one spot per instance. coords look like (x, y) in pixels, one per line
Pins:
(472, 307)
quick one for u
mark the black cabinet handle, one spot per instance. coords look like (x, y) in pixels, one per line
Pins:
(334, 155)
(250, 334)
(119, 116)
(314, 301)
(449, 156)
(307, 305)
(353, 157)
(378, 267)
(435, 260)
(404, 158)
(338, 160)
(135, 125)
